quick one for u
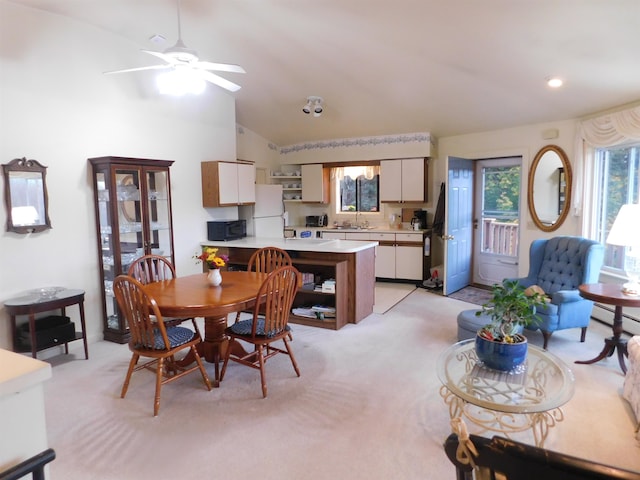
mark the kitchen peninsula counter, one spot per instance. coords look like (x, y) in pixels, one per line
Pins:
(350, 263)
(322, 245)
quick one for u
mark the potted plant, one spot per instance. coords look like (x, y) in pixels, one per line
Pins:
(500, 344)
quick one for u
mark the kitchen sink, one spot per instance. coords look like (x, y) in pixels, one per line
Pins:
(341, 227)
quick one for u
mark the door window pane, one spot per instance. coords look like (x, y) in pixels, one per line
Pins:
(500, 210)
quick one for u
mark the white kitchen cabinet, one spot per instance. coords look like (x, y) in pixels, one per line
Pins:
(334, 235)
(246, 183)
(315, 183)
(399, 255)
(357, 236)
(409, 262)
(228, 183)
(386, 261)
(403, 180)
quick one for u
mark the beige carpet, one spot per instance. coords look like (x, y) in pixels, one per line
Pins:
(366, 407)
(389, 294)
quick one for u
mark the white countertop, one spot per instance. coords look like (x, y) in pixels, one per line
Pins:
(19, 372)
(326, 245)
(380, 229)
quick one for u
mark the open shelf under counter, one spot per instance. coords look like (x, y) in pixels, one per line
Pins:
(338, 265)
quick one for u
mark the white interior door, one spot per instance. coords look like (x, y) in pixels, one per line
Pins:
(496, 242)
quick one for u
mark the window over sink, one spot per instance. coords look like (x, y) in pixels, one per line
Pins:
(357, 188)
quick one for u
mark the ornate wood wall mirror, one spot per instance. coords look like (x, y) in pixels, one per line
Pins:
(549, 192)
(25, 196)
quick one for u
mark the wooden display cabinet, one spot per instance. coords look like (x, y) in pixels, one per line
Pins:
(133, 218)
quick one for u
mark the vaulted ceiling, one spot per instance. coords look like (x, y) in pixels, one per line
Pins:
(447, 67)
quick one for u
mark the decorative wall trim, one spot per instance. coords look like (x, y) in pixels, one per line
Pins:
(358, 142)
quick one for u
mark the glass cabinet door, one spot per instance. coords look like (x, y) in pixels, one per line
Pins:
(159, 240)
(103, 197)
(133, 213)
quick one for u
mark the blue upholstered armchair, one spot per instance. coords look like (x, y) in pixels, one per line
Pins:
(558, 265)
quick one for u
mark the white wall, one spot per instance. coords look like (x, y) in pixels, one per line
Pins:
(58, 108)
(259, 150)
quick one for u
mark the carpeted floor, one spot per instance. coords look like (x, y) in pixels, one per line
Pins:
(475, 295)
(367, 406)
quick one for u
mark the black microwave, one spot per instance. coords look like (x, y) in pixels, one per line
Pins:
(224, 230)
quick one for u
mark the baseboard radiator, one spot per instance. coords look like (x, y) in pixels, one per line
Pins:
(630, 317)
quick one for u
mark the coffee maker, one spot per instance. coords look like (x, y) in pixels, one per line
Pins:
(420, 219)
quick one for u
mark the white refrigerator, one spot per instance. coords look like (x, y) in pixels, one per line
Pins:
(267, 219)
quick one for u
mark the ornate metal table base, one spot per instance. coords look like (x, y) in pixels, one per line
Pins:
(505, 403)
(502, 422)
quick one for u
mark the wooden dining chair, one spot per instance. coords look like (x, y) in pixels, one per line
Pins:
(155, 268)
(266, 260)
(152, 338)
(268, 325)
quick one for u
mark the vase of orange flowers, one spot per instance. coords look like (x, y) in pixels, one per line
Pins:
(210, 257)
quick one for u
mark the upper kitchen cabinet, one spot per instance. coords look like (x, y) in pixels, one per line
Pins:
(228, 183)
(133, 218)
(315, 183)
(404, 180)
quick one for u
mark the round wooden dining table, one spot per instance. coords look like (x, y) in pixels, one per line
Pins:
(192, 296)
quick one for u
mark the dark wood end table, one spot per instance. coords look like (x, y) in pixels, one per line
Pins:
(31, 304)
(610, 294)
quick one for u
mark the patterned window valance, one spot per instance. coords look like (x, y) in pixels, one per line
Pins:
(608, 130)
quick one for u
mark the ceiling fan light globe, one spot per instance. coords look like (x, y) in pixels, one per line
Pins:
(179, 82)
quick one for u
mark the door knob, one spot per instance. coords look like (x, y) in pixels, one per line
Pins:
(448, 237)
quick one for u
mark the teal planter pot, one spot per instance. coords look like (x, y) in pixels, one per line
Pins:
(504, 357)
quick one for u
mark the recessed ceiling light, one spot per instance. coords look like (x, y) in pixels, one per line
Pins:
(554, 82)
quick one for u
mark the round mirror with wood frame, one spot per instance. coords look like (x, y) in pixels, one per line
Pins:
(549, 189)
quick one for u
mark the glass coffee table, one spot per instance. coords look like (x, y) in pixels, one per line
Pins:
(505, 403)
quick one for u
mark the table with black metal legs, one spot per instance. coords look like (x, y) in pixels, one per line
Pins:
(610, 294)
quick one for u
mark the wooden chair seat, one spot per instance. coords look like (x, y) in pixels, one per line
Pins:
(152, 338)
(277, 292)
(266, 260)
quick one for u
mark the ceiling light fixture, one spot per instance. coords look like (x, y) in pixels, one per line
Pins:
(180, 81)
(554, 82)
(313, 105)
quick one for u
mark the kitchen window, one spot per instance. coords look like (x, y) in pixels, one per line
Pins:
(357, 188)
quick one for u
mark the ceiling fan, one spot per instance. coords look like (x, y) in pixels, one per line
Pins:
(180, 58)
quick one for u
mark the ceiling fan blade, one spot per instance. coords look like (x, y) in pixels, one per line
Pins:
(152, 67)
(163, 56)
(217, 80)
(220, 67)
